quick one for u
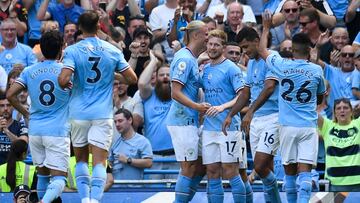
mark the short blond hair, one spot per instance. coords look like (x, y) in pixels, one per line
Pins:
(218, 34)
(191, 27)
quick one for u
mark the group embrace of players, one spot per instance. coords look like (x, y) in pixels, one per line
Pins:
(76, 96)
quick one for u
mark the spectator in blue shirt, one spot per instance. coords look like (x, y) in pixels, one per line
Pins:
(64, 12)
(130, 153)
(15, 53)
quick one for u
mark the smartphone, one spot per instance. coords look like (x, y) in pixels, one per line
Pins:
(102, 5)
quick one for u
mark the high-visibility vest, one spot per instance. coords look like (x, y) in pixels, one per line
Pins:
(24, 175)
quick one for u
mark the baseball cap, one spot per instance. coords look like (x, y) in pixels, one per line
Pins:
(357, 54)
(21, 188)
(142, 30)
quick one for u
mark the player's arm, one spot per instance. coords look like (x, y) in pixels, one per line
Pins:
(129, 76)
(241, 102)
(180, 97)
(320, 121)
(263, 52)
(319, 99)
(264, 95)
(64, 78)
(42, 13)
(11, 96)
(215, 110)
(144, 84)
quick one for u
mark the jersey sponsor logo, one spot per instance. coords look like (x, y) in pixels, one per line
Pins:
(343, 137)
(344, 133)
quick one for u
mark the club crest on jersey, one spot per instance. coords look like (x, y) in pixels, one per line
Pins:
(209, 76)
(182, 66)
(8, 56)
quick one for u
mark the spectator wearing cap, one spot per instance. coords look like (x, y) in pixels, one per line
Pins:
(21, 193)
(140, 50)
(15, 171)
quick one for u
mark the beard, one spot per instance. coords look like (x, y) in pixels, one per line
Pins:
(214, 56)
(163, 91)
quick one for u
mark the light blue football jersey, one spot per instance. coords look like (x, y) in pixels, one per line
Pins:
(300, 83)
(184, 70)
(257, 74)
(221, 83)
(49, 102)
(94, 62)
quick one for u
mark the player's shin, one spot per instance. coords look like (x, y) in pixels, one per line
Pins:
(238, 189)
(182, 189)
(216, 191)
(249, 192)
(83, 181)
(305, 186)
(55, 189)
(271, 187)
(290, 188)
(98, 181)
(42, 184)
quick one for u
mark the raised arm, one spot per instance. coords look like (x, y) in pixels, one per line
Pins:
(133, 8)
(263, 52)
(314, 53)
(144, 84)
(204, 7)
(320, 121)
(42, 13)
(351, 10)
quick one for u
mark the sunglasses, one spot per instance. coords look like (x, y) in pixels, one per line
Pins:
(345, 100)
(293, 10)
(350, 55)
(234, 52)
(305, 23)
